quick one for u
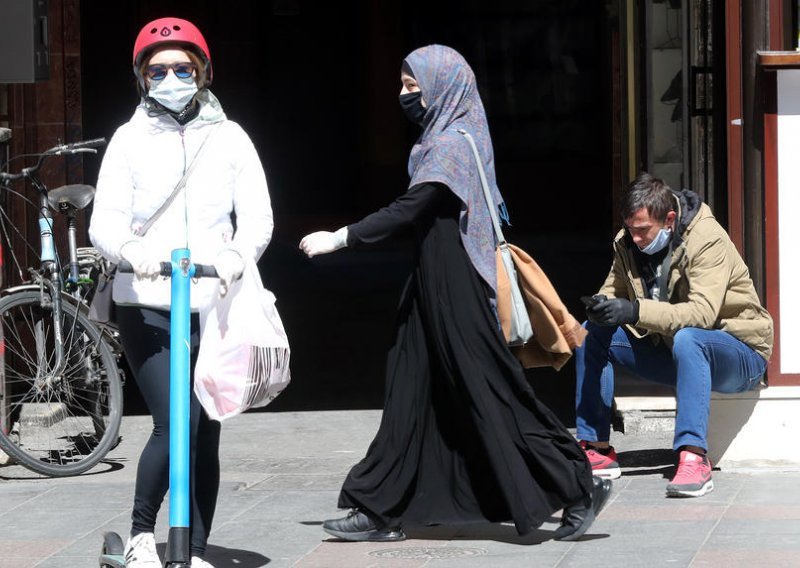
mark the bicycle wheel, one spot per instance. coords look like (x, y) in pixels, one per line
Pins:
(57, 422)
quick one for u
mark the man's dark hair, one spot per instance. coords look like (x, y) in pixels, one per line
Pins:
(650, 193)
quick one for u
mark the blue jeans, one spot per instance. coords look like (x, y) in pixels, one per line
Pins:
(701, 360)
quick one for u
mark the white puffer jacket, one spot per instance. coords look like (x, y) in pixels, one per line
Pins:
(143, 163)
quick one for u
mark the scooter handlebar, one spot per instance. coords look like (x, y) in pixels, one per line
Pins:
(200, 270)
(205, 271)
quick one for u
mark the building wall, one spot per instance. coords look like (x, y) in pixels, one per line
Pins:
(40, 116)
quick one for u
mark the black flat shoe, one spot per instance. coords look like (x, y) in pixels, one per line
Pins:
(577, 519)
(357, 526)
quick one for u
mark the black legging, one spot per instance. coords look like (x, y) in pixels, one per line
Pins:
(145, 339)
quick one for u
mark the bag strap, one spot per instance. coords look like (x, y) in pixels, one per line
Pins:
(181, 184)
(485, 184)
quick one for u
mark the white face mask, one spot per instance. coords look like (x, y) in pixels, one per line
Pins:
(173, 93)
(658, 244)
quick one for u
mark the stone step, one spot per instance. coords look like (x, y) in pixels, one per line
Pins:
(42, 413)
(642, 414)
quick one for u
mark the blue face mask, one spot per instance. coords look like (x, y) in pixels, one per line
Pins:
(659, 243)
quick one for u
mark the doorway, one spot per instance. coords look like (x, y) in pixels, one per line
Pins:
(683, 107)
(315, 85)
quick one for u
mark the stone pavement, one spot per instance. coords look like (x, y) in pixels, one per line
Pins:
(280, 476)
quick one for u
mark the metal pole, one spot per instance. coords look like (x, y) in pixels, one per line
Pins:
(177, 553)
(5, 142)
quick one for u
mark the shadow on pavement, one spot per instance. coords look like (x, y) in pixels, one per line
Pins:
(13, 471)
(497, 532)
(222, 557)
(648, 462)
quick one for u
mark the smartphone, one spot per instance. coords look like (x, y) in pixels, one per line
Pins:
(592, 301)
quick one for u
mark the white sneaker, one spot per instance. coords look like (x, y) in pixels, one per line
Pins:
(140, 552)
(198, 562)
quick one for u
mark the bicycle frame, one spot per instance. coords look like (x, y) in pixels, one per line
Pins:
(50, 278)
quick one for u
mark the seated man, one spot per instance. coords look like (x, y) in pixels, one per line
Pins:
(678, 308)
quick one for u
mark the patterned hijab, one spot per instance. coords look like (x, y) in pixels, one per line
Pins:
(443, 155)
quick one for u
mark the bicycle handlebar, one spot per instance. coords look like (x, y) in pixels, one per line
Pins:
(89, 146)
(76, 146)
(200, 270)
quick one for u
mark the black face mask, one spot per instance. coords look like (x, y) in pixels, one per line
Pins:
(411, 103)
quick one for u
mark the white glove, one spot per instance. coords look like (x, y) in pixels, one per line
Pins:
(145, 266)
(323, 242)
(229, 265)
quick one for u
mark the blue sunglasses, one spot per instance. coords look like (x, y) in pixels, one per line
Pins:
(182, 70)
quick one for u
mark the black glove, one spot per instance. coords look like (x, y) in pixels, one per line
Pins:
(617, 311)
(591, 304)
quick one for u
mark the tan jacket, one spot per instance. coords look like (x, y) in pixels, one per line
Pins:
(709, 287)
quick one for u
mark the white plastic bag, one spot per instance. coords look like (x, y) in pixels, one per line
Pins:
(243, 360)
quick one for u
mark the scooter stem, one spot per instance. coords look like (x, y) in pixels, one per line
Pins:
(178, 549)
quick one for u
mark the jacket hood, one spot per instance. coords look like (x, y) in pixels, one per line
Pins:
(688, 206)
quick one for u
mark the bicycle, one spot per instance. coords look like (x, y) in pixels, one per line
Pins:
(60, 387)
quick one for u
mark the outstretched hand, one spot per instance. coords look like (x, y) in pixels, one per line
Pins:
(616, 311)
(323, 242)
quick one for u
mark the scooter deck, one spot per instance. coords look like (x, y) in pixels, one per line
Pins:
(118, 561)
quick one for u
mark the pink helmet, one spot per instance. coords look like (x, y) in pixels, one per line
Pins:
(166, 31)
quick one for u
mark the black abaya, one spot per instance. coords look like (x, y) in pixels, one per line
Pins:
(463, 437)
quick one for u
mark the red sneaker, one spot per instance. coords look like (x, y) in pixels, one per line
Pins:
(693, 478)
(603, 465)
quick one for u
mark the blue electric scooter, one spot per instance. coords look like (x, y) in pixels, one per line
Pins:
(178, 554)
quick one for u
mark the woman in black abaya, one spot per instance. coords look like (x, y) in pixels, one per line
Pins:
(463, 437)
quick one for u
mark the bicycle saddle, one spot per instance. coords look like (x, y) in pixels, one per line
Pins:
(75, 195)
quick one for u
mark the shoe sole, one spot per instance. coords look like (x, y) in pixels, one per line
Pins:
(368, 536)
(603, 500)
(590, 517)
(581, 530)
(706, 488)
(608, 473)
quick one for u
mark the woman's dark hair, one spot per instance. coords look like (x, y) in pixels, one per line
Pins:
(650, 193)
(199, 65)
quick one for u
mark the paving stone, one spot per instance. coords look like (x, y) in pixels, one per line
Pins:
(713, 558)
